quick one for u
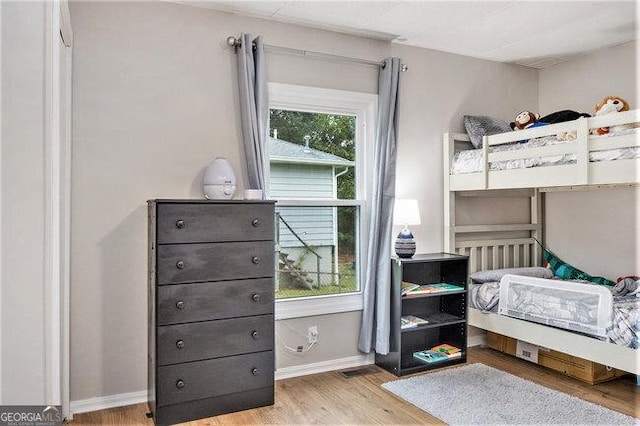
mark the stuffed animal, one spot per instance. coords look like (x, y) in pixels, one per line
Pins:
(610, 105)
(524, 120)
(561, 117)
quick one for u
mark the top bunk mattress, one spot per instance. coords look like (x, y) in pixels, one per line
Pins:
(471, 161)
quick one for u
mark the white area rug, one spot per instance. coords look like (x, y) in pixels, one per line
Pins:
(481, 395)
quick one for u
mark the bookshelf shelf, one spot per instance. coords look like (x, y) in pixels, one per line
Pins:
(417, 296)
(445, 312)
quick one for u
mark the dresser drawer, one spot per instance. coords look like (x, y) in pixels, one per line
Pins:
(203, 379)
(214, 339)
(183, 263)
(214, 300)
(199, 223)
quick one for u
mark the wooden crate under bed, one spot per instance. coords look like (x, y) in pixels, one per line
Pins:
(578, 368)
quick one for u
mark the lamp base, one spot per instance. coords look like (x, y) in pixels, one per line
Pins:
(405, 244)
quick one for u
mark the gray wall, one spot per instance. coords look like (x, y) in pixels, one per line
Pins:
(434, 95)
(22, 199)
(155, 94)
(596, 231)
(155, 101)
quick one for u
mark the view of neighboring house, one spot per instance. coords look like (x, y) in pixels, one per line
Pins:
(301, 172)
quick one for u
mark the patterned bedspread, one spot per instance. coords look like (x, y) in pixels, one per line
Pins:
(625, 318)
(625, 321)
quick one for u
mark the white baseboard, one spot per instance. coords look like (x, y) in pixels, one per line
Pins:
(324, 366)
(120, 400)
(109, 401)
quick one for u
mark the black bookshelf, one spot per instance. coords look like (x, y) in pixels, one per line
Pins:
(445, 311)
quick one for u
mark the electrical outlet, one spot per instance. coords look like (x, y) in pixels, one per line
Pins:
(312, 334)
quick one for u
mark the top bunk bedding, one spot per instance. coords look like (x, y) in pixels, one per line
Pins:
(471, 160)
(545, 156)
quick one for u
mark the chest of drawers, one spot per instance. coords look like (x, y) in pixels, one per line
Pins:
(211, 306)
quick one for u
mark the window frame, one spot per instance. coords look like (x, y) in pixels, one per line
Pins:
(364, 107)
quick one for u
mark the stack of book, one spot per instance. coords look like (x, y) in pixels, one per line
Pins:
(410, 289)
(410, 321)
(438, 353)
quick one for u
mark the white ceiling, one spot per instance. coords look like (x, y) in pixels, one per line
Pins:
(532, 33)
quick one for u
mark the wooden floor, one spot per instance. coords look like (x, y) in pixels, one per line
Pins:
(332, 398)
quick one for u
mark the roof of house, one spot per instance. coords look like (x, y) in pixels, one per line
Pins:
(288, 152)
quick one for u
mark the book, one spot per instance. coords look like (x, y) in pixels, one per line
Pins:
(445, 287)
(406, 287)
(410, 321)
(433, 288)
(420, 290)
(446, 349)
(430, 356)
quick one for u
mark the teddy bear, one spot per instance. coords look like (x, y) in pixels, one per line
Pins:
(610, 105)
(524, 120)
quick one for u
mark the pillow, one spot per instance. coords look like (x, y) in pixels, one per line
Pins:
(497, 274)
(479, 126)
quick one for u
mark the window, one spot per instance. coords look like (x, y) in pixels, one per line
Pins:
(318, 174)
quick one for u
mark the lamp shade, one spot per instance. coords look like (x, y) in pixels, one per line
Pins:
(219, 181)
(406, 212)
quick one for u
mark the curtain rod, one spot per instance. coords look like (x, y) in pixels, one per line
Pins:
(236, 42)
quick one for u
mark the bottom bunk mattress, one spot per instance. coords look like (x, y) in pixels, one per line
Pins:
(590, 309)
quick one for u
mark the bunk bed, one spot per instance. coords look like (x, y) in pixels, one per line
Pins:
(509, 165)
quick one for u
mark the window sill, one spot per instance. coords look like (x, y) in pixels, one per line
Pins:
(321, 305)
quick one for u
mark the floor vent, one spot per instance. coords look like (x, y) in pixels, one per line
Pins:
(359, 372)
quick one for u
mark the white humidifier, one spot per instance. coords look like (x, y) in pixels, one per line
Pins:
(219, 181)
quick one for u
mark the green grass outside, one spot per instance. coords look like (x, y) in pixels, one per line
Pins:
(347, 284)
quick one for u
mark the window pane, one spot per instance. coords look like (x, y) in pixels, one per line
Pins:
(312, 155)
(318, 251)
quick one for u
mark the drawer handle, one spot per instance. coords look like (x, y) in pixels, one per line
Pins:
(255, 335)
(256, 297)
(255, 260)
(180, 223)
(180, 304)
(255, 371)
(180, 264)
(255, 222)
(180, 384)
(180, 344)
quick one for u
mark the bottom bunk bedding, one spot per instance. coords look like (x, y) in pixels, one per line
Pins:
(565, 307)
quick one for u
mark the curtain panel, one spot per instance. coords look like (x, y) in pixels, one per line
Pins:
(254, 108)
(374, 331)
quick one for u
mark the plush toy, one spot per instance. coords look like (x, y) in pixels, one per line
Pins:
(524, 120)
(561, 117)
(610, 105)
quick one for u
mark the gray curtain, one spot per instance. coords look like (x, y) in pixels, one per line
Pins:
(374, 331)
(254, 108)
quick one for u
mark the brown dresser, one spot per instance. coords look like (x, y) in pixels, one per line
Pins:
(211, 306)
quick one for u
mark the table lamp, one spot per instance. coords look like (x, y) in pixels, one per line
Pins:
(406, 212)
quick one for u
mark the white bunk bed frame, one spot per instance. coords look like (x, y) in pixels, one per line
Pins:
(497, 251)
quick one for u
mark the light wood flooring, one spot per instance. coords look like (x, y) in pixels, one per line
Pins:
(332, 398)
